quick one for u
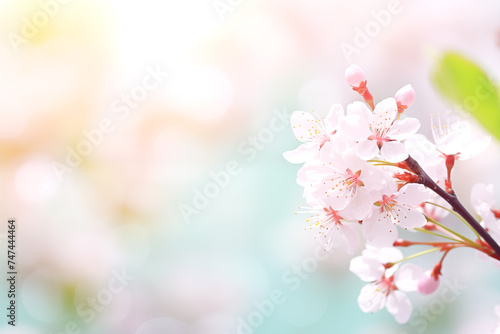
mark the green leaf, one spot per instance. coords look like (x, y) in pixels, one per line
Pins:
(462, 82)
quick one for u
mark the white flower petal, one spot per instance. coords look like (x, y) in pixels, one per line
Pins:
(384, 113)
(367, 269)
(304, 125)
(335, 199)
(477, 144)
(407, 277)
(351, 161)
(367, 149)
(408, 218)
(398, 304)
(371, 298)
(309, 172)
(403, 129)
(388, 254)
(413, 194)
(303, 153)
(351, 238)
(361, 109)
(330, 156)
(379, 231)
(393, 151)
(355, 127)
(361, 205)
(374, 178)
(482, 194)
(422, 150)
(332, 120)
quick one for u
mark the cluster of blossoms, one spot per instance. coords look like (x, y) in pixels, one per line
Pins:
(367, 172)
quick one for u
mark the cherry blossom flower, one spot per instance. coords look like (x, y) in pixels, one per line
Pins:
(482, 197)
(385, 289)
(455, 137)
(347, 180)
(378, 132)
(483, 201)
(395, 209)
(314, 133)
(332, 227)
(357, 171)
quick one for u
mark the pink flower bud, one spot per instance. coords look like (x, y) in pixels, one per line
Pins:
(427, 283)
(406, 96)
(354, 75)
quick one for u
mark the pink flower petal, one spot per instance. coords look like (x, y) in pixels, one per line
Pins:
(398, 304)
(427, 284)
(354, 75)
(406, 95)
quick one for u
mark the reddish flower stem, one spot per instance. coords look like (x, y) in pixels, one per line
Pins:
(365, 93)
(444, 245)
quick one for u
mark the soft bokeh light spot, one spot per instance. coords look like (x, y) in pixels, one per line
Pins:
(42, 297)
(318, 94)
(166, 30)
(201, 92)
(15, 123)
(35, 180)
(267, 40)
(87, 262)
(294, 312)
(163, 325)
(132, 243)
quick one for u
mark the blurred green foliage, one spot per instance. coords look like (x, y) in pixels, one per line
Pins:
(464, 83)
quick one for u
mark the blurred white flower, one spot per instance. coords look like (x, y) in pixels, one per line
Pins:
(455, 137)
